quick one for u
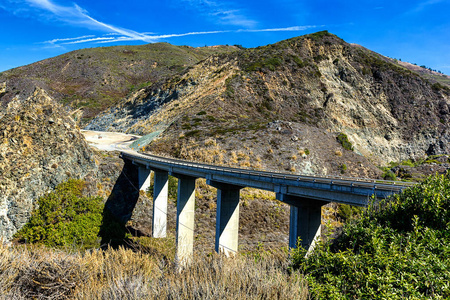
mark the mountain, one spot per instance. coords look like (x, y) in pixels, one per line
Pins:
(313, 104)
(267, 107)
(90, 80)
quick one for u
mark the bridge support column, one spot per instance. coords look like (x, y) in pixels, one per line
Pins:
(305, 220)
(160, 193)
(305, 223)
(185, 219)
(227, 218)
(144, 178)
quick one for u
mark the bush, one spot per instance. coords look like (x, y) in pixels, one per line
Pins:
(342, 138)
(172, 189)
(300, 63)
(398, 249)
(319, 35)
(65, 218)
(347, 212)
(270, 63)
(389, 175)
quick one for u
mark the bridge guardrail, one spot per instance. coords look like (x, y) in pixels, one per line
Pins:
(326, 179)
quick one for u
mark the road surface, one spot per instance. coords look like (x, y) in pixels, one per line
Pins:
(109, 141)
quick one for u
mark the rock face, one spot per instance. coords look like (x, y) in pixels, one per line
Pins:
(91, 80)
(388, 112)
(40, 147)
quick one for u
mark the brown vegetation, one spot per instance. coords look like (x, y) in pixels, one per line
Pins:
(34, 272)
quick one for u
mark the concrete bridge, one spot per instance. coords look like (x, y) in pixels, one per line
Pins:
(304, 194)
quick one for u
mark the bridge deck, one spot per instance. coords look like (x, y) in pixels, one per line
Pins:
(354, 191)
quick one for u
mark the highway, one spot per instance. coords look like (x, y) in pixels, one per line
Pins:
(271, 180)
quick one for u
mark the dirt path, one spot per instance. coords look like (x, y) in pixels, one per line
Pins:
(109, 141)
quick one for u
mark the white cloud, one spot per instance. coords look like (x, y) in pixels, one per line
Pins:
(234, 17)
(80, 17)
(292, 28)
(222, 12)
(68, 39)
(424, 4)
(149, 37)
(97, 39)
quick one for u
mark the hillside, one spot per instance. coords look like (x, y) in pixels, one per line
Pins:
(433, 76)
(313, 104)
(40, 147)
(428, 74)
(264, 107)
(90, 80)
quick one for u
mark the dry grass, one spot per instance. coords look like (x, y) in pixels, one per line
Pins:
(256, 194)
(29, 272)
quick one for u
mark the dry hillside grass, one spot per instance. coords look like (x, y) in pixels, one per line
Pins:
(30, 272)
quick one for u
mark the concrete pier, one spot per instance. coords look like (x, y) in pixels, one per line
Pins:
(304, 193)
(305, 223)
(185, 219)
(144, 178)
(160, 194)
(227, 218)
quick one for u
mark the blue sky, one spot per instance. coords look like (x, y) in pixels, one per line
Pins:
(416, 31)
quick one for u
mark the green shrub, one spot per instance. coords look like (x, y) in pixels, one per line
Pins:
(389, 175)
(342, 138)
(398, 249)
(65, 218)
(186, 126)
(347, 212)
(270, 63)
(343, 168)
(300, 63)
(319, 35)
(437, 86)
(172, 188)
(409, 163)
(192, 133)
(319, 58)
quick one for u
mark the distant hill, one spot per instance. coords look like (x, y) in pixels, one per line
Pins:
(423, 71)
(433, 76)
(91, 80)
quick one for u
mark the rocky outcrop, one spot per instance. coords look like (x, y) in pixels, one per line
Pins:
(40, 147)
(388, 112)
